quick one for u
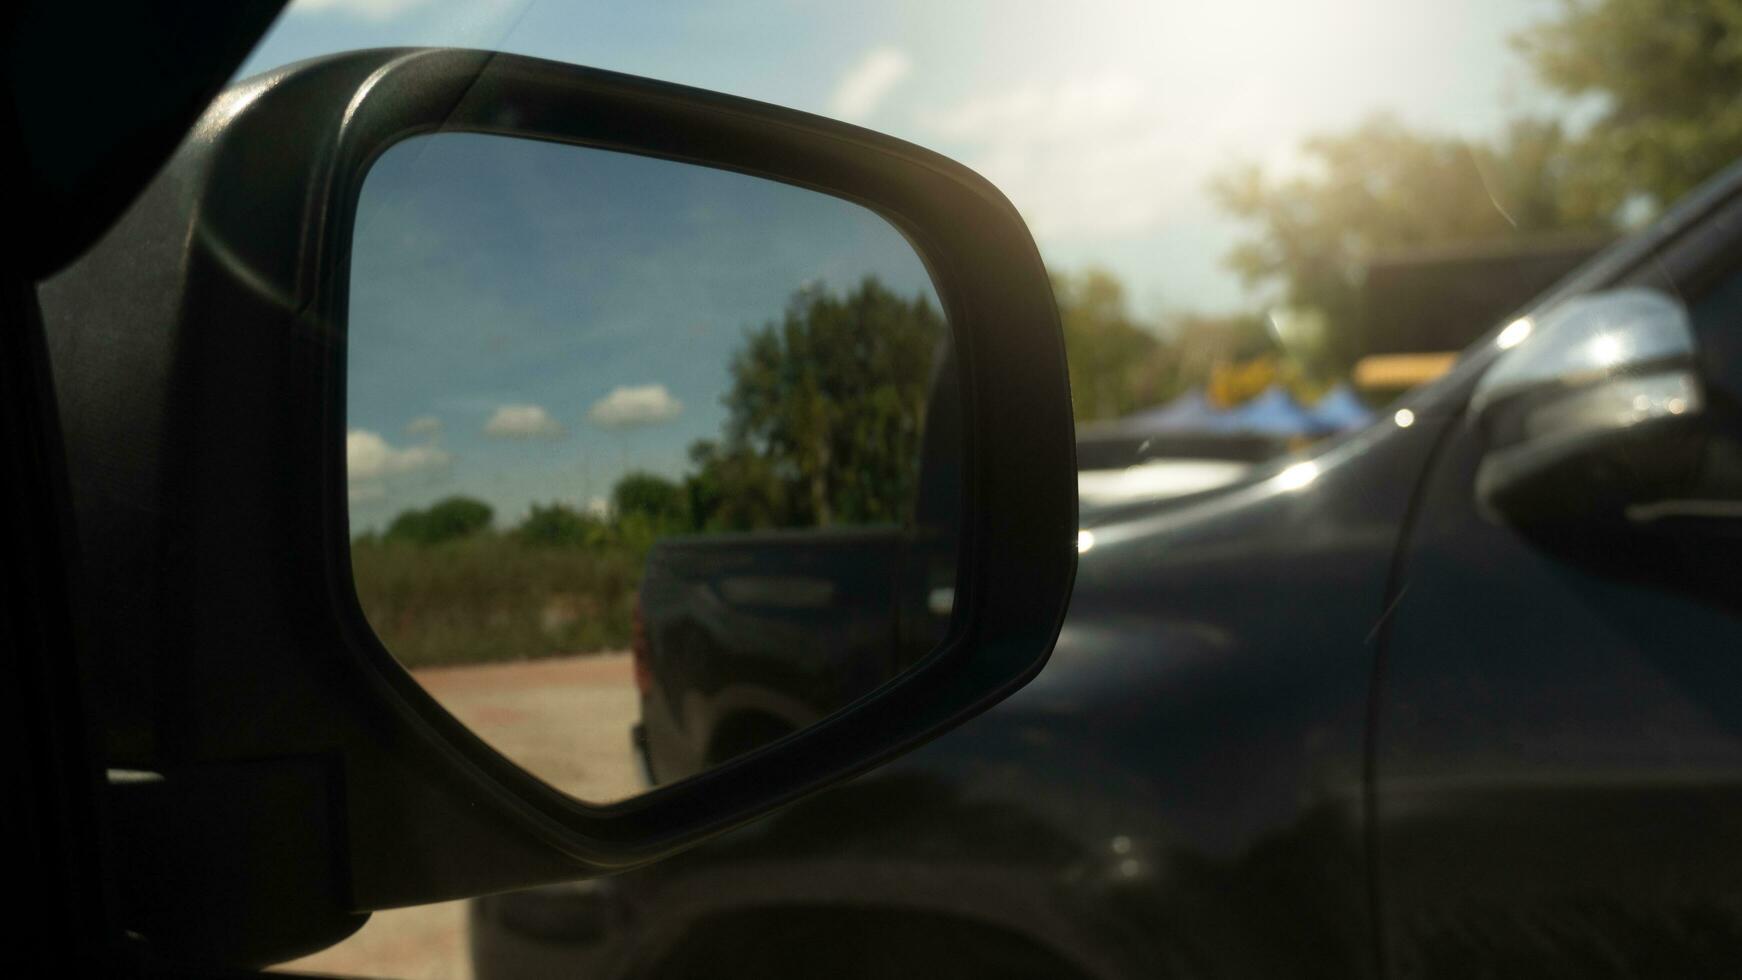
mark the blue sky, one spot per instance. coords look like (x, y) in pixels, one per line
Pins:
(1102, 120)
(529, 320)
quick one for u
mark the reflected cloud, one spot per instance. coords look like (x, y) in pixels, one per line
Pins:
(369, 458)
(632, 406)
(523, 422)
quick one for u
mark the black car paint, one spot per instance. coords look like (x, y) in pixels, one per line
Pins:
(1328, 722)
(1560, 768)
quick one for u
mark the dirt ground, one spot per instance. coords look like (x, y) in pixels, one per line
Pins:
(566, 720)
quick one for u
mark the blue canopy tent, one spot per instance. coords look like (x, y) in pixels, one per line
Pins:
(1189, 427)
(1273, 412)
(1340, 410)
(1190, 412)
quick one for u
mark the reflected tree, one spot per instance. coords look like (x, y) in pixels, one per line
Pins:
(824, 414)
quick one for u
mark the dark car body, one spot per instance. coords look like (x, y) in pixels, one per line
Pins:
(1330, 721)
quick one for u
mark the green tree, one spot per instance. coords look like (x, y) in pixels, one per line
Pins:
(830, 400)
(1382, 187)
(652, 498)
(1662, 77)
(558, 525)
(734, 491)
(1111, 357)
(1665, 75)
(444, 520)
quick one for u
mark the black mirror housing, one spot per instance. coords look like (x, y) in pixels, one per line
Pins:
(209, 483)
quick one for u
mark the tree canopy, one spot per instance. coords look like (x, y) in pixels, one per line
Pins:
(444, 520)
(652, 498)
(1662, 78)
(824, 413)
(1383, 187)
(1111, 356)
(1665, 77)
(559, 525)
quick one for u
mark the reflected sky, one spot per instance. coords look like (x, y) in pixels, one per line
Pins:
(530, 320)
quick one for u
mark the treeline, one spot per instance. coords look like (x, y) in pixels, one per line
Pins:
(641, 505)
(825, 414)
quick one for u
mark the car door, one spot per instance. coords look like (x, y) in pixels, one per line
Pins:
(1559, 744)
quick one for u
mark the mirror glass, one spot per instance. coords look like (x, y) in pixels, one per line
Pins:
(649, 464)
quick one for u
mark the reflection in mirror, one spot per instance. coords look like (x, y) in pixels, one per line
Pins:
(649, 464)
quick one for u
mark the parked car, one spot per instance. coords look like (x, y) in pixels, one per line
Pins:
(1458, 695)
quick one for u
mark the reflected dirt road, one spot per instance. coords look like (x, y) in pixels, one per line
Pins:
(567, 720)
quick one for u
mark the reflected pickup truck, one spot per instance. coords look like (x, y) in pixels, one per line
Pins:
(742, 638)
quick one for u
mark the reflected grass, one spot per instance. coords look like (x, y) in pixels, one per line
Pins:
(490, 598)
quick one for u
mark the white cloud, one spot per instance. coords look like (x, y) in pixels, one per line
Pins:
(369, 458)
(424, 427)
(632, 406)
(865, 85)
(523, 422)
(371, 10)
(1073, 107)
(1082, 157)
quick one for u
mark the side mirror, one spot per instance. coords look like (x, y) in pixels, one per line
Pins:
(1594, 409)
(275, 772)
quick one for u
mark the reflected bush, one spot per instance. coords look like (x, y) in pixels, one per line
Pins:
(494, 597)
(445, 520)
